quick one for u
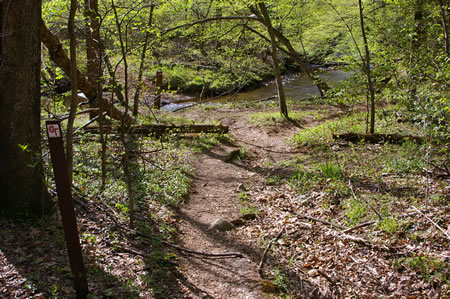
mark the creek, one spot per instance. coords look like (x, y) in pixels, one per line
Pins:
(296, 87)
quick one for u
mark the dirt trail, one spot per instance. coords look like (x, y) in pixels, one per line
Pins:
(214, 196)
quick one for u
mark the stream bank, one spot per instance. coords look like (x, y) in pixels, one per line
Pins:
(297, 86)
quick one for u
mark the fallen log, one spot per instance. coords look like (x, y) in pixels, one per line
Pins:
(66, 116)
(160, 130)
(59, 56)
(377, 138)
(267, 99)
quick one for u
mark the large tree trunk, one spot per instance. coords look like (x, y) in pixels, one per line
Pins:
(23, 193)
(92, 41)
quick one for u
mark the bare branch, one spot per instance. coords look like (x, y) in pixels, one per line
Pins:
(213, 19)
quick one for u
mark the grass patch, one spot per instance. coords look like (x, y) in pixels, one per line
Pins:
(355, 211)
(325, 177)
(331, 170)
(407, 158)
(274, 118)
(389, 225)
(204, 141)
(323, 133)
(356, 123)
(248, 209)
(428, 267)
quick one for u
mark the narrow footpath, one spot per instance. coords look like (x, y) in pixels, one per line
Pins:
(214, 197)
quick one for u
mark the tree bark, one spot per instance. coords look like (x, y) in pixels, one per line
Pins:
(367, 70)
(141, 65)
(276, 68)
(322, 86)
(124, 127)
(59, 56)
(73, 87)
(444, 19)
(93, 53)
(23, 193)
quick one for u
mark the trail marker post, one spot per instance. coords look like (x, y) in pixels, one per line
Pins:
(159, 81)
(56, 144)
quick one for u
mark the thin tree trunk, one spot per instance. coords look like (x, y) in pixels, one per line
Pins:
(418, 35)
(367, 68)
(101, 121)
(276, 68)
(322, 86)
(59, 56)
(92, 46)
(103, 142)
(141, 65)
(444, 26)
(74, 89)
(124, 127)
(116, 86)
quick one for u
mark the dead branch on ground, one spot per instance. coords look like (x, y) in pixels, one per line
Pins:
(366, 201)
(371, 222)
(432, 222)
(321, 221)
(148, 239)
(261, 264)
(160, 130)
(377, 138)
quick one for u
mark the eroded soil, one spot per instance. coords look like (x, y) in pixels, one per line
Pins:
(215, 195)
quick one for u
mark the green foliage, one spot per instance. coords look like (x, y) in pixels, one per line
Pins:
(280, 280)
(355, 211)
(204, 141)
(323, 133)
(388, 224)
(405, 159)
(274, 118)
(243, 196)
(248, 209)
(167, 182)
(274, 180)
(328, 177)
(429, 267)
(242, 153)
(331, 170)
(303, 180)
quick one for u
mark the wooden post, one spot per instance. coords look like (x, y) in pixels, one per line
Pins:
(69, 221)
(159, 79)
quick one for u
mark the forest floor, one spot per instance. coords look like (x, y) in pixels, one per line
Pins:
(312, 218)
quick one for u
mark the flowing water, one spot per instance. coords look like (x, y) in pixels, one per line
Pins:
(295, 87)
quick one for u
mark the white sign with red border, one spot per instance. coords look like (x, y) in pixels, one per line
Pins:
(53, 131)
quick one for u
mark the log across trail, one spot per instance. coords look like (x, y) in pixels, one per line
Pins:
(160, 130)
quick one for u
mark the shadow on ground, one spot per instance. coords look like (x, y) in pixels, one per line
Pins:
(298, 285)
